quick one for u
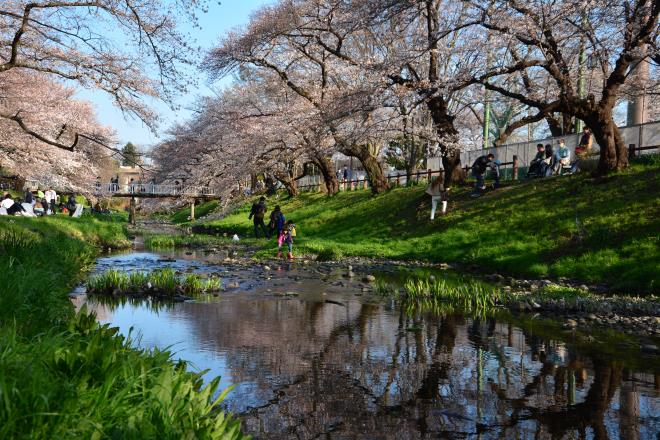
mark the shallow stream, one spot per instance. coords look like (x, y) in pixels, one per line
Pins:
(313, 355)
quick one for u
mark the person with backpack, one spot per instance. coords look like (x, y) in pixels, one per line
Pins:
(277, 221)
(257, 214)
(286, 237)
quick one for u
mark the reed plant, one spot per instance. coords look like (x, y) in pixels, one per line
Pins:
(161, 282)
(468, 295)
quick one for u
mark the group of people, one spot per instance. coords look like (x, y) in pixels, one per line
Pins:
(41, 203)
(548, 162)
(283, 229)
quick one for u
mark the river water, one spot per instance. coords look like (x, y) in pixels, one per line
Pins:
(313, 356)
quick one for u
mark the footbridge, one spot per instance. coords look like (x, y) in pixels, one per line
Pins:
(149, 190)
(153, 191)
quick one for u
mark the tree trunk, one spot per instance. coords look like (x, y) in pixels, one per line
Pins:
(613, 151)
(253, 182)
(328, 173)
(373, 168)
(444, 126)
(289, 183)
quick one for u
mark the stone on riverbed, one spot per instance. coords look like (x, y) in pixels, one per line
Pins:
(369, 279)
(233, 285)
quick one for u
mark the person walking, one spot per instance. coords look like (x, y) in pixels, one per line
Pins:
(257, 214)
(438, 193)
(277, 220)
(286, 237)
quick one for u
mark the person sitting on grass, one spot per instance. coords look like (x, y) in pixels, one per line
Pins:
(39, 208)
(286, 237)
(7, 201)
(16, 208)
(479, 168)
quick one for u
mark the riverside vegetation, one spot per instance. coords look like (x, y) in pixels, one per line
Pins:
(579, 227)
(63, 375)
(161, 283)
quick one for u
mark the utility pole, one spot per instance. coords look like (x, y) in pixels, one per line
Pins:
(486, 110)
(580, 85)
(582, 62)
(486, 121)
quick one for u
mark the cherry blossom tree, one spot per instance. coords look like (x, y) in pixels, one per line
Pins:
(306, 45)
(51, 110)
(131, 50)
(561, 37)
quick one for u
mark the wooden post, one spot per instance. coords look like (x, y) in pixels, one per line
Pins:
(192, 210)
(398, 179)
(430, 173)
(515, 167)
(631, 151)
(131, 212)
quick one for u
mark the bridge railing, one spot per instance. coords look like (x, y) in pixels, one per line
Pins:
(152, 189)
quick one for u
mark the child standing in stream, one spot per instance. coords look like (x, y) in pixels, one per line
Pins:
(286, 237)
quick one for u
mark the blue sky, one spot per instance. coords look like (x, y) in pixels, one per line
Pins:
(220, 19)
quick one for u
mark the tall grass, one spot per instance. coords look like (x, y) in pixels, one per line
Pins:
(160, 282)
(162, 241)
(468, 296)
(64, 376)
(89, 382)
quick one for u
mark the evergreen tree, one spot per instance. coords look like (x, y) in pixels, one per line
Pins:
(131, 156)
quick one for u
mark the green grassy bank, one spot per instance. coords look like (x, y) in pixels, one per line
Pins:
(63, 375)
(579, 227)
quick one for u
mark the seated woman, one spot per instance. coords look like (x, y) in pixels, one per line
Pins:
(535, 164)
(548, 162)
(16, 208)
(39, 208)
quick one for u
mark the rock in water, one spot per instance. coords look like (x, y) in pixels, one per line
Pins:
(369, 279)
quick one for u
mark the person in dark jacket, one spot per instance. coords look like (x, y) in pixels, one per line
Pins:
(277, 220)
(71, 205)
(257, 214)
(16, 208)
(479, 168)
(535, 164)
(28, 197)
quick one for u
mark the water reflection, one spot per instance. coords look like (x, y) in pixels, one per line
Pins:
(306, 368)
